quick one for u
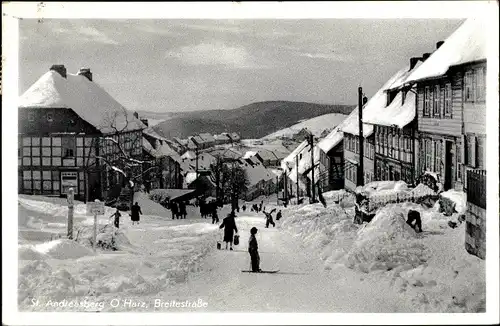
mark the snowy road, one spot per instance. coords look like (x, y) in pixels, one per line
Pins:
(301, 285)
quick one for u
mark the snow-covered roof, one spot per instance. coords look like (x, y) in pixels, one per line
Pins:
(396, 114)
(249, 154)
(190, 177)
(331, 140)
(291, 157)
(305, 162)
(258, 173)
(234, 136)
(467, 44)
(267, 154)
(206, 137)
(89, 100)
(152, 133)
(189, 155)
(163, 150)
(377, 101)
(223, 136)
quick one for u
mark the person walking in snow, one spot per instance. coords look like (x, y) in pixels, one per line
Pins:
(269, 218)
(173, 209)
(135, 213)
(278, 216)
(229, 226)
(182, 210)
(215, 217)
(260, 206)
(253, 250)
(116, 218)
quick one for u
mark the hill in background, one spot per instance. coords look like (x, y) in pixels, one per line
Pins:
(316, 125)
(255, 120)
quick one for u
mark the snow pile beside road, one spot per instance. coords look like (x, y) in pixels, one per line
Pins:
(327, 231)
(155, 256)
(63, 249)
(459, 198)
(386, 243)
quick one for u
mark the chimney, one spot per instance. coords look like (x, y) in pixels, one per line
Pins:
(85, 72)
(425, 56)
(438, 44)
(136, 115)
(61, 69)
(414, 61)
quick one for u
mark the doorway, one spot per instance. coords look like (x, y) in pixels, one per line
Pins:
(448, 164)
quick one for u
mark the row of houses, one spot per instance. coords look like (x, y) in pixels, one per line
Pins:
(429, 116)
(73, 134)
(206, 140)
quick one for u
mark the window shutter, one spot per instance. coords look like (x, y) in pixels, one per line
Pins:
(463, 153)
(473, 150)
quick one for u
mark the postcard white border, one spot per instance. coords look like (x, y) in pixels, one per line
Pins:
(247, 10)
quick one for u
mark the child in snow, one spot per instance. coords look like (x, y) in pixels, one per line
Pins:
(414, 220)
(116, 218)
(269, 218)
(253, 250)
(278, 216)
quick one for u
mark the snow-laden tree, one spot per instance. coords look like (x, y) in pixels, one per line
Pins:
(220, 176)
(121, 151)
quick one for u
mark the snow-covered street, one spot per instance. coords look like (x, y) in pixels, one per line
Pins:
(325, 263)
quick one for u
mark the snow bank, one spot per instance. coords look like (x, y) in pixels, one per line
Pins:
(432, 270)
(386, 243)
(63, 249)
(459, 198)
(329, 232)
(29, 252)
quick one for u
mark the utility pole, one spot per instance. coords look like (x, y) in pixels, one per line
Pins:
(361, 170)
(313, 192)
(297, 171)
(285, 188)
(196, 180)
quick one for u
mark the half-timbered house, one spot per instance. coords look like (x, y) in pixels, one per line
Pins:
(68, 128)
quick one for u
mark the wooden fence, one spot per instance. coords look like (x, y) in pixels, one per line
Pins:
(476, 187)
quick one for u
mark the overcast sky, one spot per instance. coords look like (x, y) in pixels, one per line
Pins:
(175, 65)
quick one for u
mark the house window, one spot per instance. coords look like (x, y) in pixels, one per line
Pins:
(389, 145)
(427, 101)
(480, 78)
(447, 100)
(68, 147)
(50, 117)
(428, 153)
(437, 156)
(31, 116)
(470, 150)
(435, 101)
(469, 86)
(480, 152)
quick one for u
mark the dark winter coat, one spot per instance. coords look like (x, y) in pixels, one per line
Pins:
(278, 216)
(173, 207)
(229, 226)
(135, 211)
(182, 208)
(252, 243)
